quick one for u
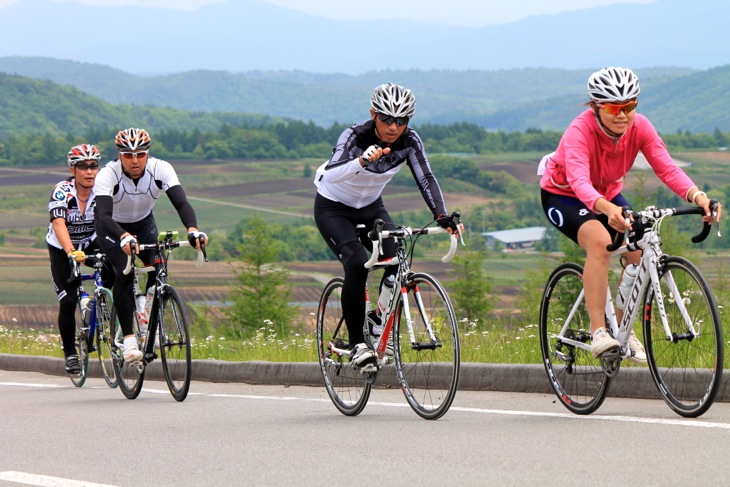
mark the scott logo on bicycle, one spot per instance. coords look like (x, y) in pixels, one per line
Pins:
(634, 297)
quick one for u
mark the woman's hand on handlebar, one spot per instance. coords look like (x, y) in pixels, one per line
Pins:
(615, 215)
(450, 224)
(706, 204)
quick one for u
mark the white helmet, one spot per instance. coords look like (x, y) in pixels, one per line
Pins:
(393, 100)
(613, 85)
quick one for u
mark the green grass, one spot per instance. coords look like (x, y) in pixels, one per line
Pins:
(493, 345)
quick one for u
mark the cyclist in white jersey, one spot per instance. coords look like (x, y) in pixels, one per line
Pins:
(349, 187)
(127, 189)
(70, 233)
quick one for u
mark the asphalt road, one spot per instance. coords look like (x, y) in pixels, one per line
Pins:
(235, 433)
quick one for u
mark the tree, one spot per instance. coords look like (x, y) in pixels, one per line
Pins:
(262, 291)
(470, 292)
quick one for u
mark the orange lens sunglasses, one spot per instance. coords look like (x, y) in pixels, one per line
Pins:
(615, 108)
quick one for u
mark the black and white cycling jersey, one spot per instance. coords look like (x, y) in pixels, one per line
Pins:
(342, 179)
(65, 204)
(134, 199)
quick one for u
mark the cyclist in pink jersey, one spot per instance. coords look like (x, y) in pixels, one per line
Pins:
(582, 182)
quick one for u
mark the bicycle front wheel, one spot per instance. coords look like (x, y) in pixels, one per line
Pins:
(347, 387)
(686, 364)
(576, 377)
(82, 349)
(427, 353)
(104, 302)
(174, 343)
(130, 377)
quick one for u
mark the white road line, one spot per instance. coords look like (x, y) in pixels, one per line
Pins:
(46, 481)
(692, 423)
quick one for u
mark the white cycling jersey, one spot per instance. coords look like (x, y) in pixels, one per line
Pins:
(134, 200)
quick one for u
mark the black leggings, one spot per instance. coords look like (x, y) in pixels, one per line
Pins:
(68, 293)
(145, 231)
(336, 222)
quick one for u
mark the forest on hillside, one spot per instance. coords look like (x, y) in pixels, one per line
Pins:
(296, 140)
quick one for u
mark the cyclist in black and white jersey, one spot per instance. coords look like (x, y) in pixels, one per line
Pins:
(127, 189)
(70, 233)
(349, 187)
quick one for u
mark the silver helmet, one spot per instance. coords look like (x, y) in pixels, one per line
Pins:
(611, 85)
(393, 100)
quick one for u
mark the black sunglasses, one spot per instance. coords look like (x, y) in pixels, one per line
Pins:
(387, 120)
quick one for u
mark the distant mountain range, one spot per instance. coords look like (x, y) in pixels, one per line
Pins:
(518, 99)
(249, 35)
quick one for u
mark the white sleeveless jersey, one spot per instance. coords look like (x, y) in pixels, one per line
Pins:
(134, 201)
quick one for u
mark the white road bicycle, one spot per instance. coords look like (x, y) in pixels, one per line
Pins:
(679, 316)
(421, 326)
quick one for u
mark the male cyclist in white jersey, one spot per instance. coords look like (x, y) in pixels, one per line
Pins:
(349, 187)
(127, 189)
(70, 233)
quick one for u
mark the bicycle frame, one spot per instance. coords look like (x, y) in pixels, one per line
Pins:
(404, 270)
(162, 250)
(420, 323)
(96, 278)
(648, 274)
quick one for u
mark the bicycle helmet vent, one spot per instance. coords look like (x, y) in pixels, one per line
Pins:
(613, 85)
(393, 100)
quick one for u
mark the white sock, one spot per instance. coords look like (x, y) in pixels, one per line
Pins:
(130, 342)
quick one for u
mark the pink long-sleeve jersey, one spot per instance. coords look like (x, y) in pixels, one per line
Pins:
(589, 164)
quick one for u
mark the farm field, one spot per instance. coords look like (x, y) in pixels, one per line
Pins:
(225, 192)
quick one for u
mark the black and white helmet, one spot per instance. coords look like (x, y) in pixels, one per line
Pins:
(393, 100)
(611, 85)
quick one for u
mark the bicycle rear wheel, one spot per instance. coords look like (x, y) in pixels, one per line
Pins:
(427, 365)
(576, 377)
(104, 302)
(348, 388)
(686, 368)
(82, 349)
(129, 377)
(174, 343)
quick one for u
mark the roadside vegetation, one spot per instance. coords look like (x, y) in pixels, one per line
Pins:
(255, 299)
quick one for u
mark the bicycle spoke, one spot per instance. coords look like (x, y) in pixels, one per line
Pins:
(348, 388)
(174, 344)
(687, 367)
(427, 354)
(578, 379)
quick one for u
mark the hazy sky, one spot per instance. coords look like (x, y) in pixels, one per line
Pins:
(473, 13)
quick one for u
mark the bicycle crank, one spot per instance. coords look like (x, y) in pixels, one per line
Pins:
(611, 362)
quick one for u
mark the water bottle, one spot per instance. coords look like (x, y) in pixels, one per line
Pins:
(139, 304)
(148, 303)
(85, 304)
(386, 292)
(630, 272)
(374, 324)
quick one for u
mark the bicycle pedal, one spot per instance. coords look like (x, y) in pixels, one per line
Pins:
(611, 355)
(367, 368)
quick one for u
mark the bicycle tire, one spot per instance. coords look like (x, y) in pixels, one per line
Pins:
(129, 378)
(427, 369)
(348, 388)
(104, 303)
(174, 341)
(576, 377)
(81, 344)
(688, 370)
